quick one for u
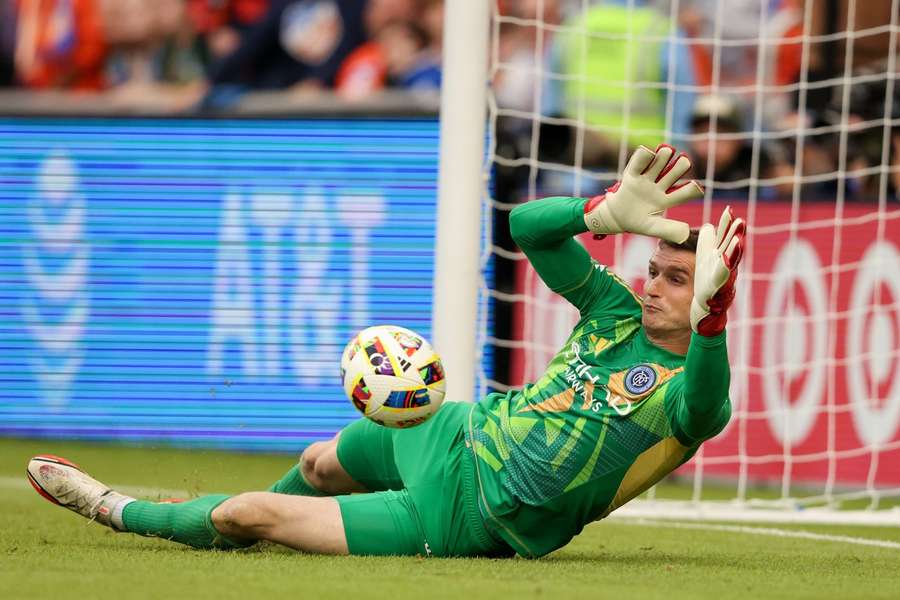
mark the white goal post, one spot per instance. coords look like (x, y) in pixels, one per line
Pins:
(461, 189)
(803, 93)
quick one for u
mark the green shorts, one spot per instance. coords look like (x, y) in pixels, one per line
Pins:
(423, 499)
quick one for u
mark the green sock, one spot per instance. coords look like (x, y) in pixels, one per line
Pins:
(295, 484)
(185, 522)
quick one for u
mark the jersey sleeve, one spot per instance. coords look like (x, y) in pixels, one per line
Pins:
(700, 395)
(545, 230)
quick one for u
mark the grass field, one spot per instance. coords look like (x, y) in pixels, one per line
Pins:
(47, 552)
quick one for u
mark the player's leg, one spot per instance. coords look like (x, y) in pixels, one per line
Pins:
(389, 523)
(432, 508)
(217, 521)
(65, 484)
(381, 523)
(360, 458)
(438, 471)
(386, 523)
(318, 473)
(436, 517)
(303, 523)
(321, 467)
(298, 480)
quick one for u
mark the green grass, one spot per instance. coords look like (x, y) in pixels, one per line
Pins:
(47, 552)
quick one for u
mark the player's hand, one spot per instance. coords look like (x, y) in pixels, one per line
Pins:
(650, 184)
(719, 251)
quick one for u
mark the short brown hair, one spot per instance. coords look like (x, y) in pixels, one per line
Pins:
(690, 244)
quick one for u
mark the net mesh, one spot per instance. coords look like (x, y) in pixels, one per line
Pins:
(788, 109)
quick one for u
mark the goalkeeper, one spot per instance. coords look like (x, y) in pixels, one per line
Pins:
(638, 387)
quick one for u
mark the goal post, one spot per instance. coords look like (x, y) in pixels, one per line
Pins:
(461, 188)
(814, 337)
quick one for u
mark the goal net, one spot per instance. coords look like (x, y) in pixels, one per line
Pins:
(790, 110)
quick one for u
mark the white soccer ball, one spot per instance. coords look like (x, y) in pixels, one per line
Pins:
(392, 376)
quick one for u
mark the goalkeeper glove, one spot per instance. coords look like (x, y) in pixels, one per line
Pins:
(719, 251)
(649, 185)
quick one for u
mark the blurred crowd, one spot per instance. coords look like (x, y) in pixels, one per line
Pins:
(184, 52)
(765, 104)
(764, 94)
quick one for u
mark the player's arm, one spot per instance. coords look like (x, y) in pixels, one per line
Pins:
(545, 229)
(702, 407)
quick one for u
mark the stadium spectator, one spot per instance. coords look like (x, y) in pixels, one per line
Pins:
(649, 79)
(7, 42)
(746, 29)
(523, 51)
(630, 77)
(297, 45)
(397, 55)
(180, 56)
(363, 73)
(155, 58)
(378, 13)
(723, 150)
(519, 58)
(431, 19)
(867, 28)
(221, 23)
(815, 162)
(128, 30)
(866, 112)
(60, 44)
(409, 65)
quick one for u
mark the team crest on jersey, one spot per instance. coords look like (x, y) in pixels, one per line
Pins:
(640, 379)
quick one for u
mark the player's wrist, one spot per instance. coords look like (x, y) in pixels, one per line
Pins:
(599, 216)
(706, 320)
(579, 223)
(713, 340)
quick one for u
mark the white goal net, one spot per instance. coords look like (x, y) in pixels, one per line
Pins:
(790, 111)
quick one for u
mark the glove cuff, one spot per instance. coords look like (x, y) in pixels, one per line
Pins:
(698, 313)
(598, 217)
(704, 322)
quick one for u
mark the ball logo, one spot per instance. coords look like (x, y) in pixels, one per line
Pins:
(640, 379)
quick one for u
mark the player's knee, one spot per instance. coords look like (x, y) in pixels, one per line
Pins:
(323, 471)
(242, 515)
(315, 466)
(308, 462)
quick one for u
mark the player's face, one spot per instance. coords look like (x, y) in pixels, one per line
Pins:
(668, 291)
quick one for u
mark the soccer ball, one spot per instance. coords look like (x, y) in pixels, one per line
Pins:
(392, 376)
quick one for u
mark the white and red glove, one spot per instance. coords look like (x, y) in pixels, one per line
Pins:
(719, 251)
(649, 185)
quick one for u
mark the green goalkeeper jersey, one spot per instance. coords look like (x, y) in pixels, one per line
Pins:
(611, 416)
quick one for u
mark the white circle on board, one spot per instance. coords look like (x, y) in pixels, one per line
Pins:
(872, 350)
(791, 422)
